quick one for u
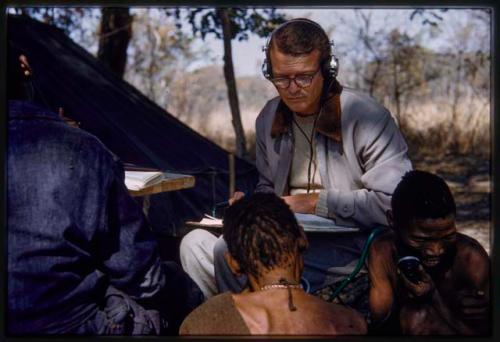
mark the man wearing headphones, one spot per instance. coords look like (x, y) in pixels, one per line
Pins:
(326, 149)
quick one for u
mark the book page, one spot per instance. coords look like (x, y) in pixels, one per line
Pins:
(136, 180)
(209, 222)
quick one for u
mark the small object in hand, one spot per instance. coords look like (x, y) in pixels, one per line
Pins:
(409, 265)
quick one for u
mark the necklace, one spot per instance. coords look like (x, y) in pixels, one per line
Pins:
(280, 286)
(284, 284)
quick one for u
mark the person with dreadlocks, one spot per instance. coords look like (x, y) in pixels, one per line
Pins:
(265, 243)
(447, 292)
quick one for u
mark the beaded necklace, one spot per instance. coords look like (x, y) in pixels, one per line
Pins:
(284, 284)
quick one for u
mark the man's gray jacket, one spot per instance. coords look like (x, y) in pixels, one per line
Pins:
(361, 155)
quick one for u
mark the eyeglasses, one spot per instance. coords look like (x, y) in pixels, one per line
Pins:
(302, 81)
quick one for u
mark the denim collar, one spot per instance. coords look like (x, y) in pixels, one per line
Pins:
(329, 122)
(29, 110)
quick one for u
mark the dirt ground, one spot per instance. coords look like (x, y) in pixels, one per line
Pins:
(469, 180)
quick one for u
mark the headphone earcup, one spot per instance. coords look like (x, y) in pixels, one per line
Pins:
(325, 69)
(266, 69)
(334, 65)
(331, 65)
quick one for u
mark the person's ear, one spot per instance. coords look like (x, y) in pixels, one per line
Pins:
(25, 66)
(234, 266)
(390, 218)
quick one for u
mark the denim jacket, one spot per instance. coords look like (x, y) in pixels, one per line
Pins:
(73, 230)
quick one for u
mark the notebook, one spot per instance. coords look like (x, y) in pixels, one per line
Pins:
(137, 180)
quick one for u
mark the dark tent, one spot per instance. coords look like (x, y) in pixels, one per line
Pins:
(127, 122)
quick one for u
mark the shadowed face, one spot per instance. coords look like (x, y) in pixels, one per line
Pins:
(301, 100)
(433, 238)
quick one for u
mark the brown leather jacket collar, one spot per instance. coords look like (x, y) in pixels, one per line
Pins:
(328, 123)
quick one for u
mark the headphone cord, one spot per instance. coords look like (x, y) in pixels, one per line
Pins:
(310, 140)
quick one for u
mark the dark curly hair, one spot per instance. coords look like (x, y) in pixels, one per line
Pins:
(261, 231)
(421, 195)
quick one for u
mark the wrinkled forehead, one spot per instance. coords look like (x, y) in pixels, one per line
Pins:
(286, 62)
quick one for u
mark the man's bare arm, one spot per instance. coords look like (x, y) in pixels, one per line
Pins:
(381, 295)
(472, 316)
(474, 300)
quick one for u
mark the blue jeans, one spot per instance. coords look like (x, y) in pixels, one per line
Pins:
(121, 315)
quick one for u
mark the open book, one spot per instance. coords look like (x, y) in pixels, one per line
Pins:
(311, 224)
(137, 180)
(209, 221)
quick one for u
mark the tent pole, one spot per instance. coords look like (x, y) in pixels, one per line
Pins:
(232, 177)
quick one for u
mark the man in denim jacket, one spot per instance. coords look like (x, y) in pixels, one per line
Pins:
(81, 257)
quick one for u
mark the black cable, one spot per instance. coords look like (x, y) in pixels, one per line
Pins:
(311, 148)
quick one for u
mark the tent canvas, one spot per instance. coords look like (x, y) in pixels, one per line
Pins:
(133, 127)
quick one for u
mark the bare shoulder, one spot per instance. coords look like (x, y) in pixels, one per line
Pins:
(470, 249)
(216, 316)
(383, 246)
(471, 259)
(347, 321)
(341, 320)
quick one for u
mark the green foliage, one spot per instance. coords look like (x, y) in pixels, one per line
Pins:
(205, 21)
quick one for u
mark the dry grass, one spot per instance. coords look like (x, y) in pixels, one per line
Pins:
(428, 128)
(432, 128)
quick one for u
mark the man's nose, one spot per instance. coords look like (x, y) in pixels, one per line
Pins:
(434, 249)
(293, 88)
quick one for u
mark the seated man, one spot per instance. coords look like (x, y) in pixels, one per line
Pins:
(81, 258)
(324, 148)
(449, 292)
(265, 243)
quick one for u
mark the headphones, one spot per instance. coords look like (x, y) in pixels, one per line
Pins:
(329, 67)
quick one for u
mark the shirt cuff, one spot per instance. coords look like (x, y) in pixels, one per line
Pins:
(322, 205)
(341, 203)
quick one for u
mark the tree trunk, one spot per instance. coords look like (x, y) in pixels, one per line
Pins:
(453, 137)
(116, 31)
(152, 64)
(395, 85)
(374, 77)
(232, 93)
